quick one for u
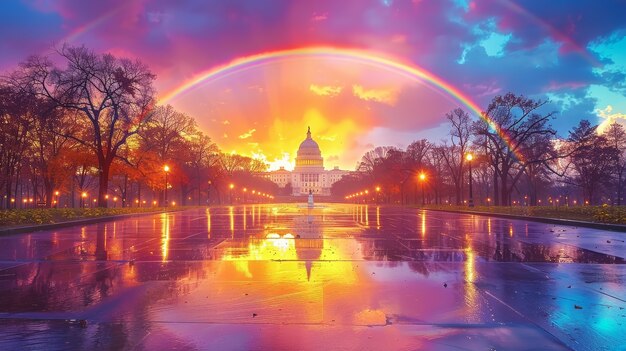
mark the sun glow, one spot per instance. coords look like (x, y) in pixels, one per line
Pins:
(344, 94)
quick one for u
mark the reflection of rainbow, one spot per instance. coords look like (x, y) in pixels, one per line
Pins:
(413, 72)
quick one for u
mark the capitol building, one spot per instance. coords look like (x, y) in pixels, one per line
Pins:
(309, 174)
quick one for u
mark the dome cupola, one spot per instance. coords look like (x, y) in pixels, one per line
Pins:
(309, 147)
(309, 153)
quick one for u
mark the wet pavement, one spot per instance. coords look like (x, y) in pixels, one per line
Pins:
(335, 277)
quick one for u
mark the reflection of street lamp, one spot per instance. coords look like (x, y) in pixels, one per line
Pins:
(422, 180)
(469, 158)
(166, 168)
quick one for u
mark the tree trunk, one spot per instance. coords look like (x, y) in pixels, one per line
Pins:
(103, 184)
(533, 192)
(620, 183)
(139, 204)
(496, 189)
(183, 194)
(504, 191)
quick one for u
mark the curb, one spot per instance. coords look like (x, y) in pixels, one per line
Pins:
(49, 226)
(570, 222)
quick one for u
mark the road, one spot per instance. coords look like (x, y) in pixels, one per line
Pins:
(335, 277)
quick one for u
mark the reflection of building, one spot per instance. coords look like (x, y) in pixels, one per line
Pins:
(309, 174)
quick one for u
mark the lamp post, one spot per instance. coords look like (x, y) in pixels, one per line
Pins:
(82, 199)
(469, 159)
(377, 194)
(208, 194)
(422, 180)
(166, 168)
(230, 192)
(56, 201)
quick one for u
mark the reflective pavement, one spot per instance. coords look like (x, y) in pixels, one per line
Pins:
(335, 277)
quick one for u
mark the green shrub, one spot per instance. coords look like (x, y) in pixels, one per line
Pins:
(19, 217)
(600, 214)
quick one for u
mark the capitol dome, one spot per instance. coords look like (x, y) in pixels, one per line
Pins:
(308, 176)
(309, 153)
(309, 147)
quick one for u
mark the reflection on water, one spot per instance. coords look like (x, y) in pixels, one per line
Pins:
(101, 241)
(208, 222)
(272, 265)
(165, 236)
(300, 239)
(231, 215)
(377, 217)
(423, 217)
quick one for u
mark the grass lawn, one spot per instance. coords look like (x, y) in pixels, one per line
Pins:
(599, 214)
(22, 217)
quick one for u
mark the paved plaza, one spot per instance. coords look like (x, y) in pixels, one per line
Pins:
(335, 277)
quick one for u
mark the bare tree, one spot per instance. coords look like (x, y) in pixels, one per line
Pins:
(114, 96)
(416, 153)
(616, 137)
(16, 120)
(454, 154)
(372, 158)
(511, 124)
(592, 158)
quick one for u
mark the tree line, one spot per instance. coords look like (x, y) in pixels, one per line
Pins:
(83, 128)
(517, 159)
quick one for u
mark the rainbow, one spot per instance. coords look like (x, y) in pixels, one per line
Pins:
(396, 66)
(89, 26)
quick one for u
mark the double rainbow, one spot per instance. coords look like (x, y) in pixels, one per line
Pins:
(410, 71)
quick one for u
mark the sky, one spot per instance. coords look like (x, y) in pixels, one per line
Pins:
(360, 73)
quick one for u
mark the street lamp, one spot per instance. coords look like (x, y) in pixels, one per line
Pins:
(82, 199)
(231, 186)
(469, 159)
(208, 194)
(422, 180)
(166, 168)
(56, 194)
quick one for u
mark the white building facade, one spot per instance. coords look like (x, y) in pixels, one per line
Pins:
(309, 174)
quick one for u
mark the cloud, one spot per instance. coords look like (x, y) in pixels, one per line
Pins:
(552, 86)
(325, 90)
(384, 96)
(319, 17)
(610, 117)
(569, 51)
(247, 134)
(328, 137)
